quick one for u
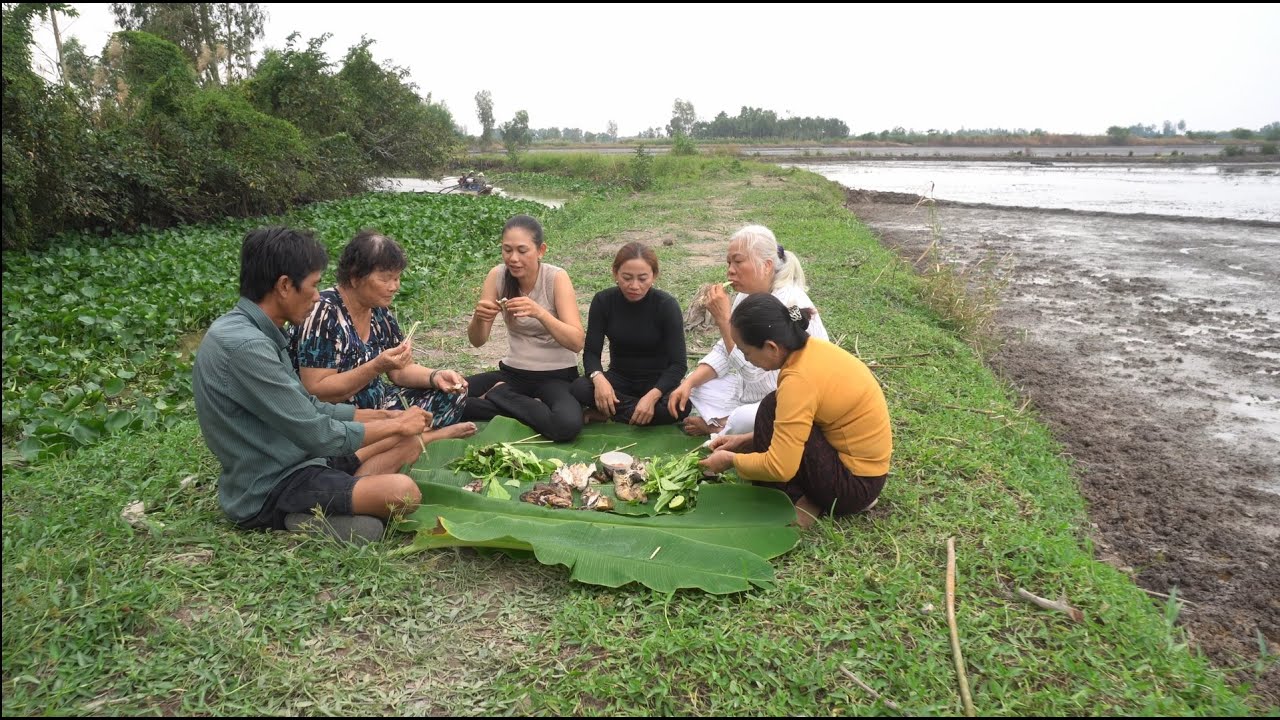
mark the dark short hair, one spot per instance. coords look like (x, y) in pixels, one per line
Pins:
(510, 287)
(270, 252)
(762, 317)
(368, 252)
(636, 251)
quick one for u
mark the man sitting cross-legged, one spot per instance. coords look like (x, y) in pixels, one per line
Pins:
(284, 453)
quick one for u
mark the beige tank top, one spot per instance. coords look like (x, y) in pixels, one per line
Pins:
(531, 346)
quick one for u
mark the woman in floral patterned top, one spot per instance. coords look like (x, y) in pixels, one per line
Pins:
(351, 339)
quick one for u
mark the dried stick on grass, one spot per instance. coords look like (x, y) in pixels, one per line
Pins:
(988, 413)
(875, 695)
(1168, 597)
(955, 634)
(1059, 605)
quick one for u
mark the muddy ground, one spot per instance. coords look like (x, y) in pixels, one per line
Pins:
(1151, 347)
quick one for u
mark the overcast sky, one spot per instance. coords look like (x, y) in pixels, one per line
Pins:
(1063, 68)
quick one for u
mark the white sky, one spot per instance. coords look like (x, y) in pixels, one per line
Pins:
(1063, 68)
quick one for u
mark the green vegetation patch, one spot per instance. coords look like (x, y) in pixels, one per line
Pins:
(98, 332)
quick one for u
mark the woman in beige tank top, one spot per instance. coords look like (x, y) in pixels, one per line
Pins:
(538, 304)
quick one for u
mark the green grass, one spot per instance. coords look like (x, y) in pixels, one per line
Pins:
(196, 617)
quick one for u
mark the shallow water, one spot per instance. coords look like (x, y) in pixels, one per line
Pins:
(1234, 192)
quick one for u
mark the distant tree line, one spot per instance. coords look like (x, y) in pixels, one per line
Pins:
(749, 123)
(1122, 134)
(174, 123)
(577, 135)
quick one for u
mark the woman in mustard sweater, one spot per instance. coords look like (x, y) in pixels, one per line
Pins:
(824, 433)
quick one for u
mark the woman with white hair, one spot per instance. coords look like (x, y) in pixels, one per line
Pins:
(724, 388)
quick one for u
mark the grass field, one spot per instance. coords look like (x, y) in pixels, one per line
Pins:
(195, 617)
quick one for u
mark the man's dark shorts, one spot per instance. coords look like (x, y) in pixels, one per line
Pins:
(327, 487)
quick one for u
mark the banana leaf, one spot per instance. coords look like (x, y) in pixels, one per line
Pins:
(721, 546)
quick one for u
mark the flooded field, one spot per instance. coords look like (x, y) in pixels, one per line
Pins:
(968, 151)
(1237, 192)
(1151, 347)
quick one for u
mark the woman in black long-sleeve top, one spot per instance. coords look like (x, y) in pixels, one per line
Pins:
(646, 345)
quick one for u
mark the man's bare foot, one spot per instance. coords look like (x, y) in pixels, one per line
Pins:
(694, 425)
(451, 432)
(592, 415)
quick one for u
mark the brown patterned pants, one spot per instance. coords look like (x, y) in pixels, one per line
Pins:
(822, 477)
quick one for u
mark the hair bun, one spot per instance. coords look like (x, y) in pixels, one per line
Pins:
(801, 316)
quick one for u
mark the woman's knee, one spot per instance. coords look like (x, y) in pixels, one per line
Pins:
(583, 391)
(564, 426)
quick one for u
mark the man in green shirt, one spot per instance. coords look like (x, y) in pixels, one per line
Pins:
(283, 452)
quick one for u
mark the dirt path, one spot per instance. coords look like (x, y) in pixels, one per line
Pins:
(1151, 349)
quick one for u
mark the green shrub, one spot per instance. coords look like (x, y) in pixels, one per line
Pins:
(683, 145)
(641, 169)
(250, 163)
(155, 72)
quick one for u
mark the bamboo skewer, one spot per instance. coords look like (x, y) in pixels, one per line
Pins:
(624, 447)
(405, 405)
(955, 634)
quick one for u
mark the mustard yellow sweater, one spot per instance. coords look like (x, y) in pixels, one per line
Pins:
(823, 385)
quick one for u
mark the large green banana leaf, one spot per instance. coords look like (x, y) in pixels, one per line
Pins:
(721, 546)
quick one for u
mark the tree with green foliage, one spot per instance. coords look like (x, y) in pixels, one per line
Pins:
(484, 111)
(208, 33)
(515, 135)
(298, 84)
(78, 68)
(1119, 135)
(396, 129)
(612, 132)
(42, 132)
(243, 24)
(683, 118)
(136, 138)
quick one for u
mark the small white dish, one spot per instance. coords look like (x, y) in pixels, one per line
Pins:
(616, 460)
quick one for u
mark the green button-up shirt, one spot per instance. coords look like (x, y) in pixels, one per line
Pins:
(254, 413)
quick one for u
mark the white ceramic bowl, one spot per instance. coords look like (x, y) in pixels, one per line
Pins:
(616, 460)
